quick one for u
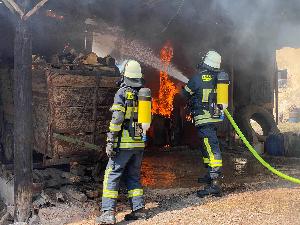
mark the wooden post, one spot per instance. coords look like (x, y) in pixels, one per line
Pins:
(23, 130)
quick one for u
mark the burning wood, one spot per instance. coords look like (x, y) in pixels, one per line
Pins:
(163, 105)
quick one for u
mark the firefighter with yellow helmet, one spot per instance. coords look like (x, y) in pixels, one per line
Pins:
(131, 117)
(207, 93)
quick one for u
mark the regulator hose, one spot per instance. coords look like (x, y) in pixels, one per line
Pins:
(256, 155)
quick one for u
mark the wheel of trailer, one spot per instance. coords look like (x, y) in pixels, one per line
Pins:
(246, 117)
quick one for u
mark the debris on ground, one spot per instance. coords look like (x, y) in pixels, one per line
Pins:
(73, 193)
(254, 196)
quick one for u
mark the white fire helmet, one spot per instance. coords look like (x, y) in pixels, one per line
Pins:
(133, 70)
(212, 59)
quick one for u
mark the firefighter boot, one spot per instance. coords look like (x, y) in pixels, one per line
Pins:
(107, 217)
(204, 180)
(139, 214)
(212, 189)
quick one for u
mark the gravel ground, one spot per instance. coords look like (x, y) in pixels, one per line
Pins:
(252, 195)
(181, 206)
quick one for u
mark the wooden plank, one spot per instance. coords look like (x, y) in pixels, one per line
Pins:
(70, 127)
(66, 80)
(64, 149)
(39, 81)
(34, 9)
(76, 141)
(81, 97)
(78, 114)
(6, 3)
(68, 120)
(56, 162)
(40, 125)
(12, 5)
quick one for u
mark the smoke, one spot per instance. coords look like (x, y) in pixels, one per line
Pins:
(228, 26)
(248, 31)
(136, 50)
(113, 41)
(273, 22)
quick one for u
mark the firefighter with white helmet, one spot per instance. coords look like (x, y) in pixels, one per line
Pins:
(207, 93)
(131, 117)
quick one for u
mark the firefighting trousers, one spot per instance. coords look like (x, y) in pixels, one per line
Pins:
(210, 150)
(126, 165)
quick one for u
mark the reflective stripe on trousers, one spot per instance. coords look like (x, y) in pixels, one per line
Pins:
(106, 192)
(212, 162)
(135, 193)
(125, 165)
(210, 150)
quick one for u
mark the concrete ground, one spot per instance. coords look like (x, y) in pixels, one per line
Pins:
(252, 194)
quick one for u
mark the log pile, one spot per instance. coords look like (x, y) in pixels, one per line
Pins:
(71, 100)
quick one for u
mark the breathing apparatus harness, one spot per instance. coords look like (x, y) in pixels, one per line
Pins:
(134, 128)
(218, 98)
(140, 105)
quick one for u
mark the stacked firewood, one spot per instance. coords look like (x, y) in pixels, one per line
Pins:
(70, 101)
(78, 108)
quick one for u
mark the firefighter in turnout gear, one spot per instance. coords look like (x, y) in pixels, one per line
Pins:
(207, 93)
(131, 117)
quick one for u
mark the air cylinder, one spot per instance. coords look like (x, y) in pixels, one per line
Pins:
(144, 109)
(222, 89)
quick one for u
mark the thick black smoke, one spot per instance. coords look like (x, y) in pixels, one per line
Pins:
(246, 28)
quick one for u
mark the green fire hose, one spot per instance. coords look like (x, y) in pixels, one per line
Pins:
(256, 155)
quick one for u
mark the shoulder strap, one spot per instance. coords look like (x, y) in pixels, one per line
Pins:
(122, 127)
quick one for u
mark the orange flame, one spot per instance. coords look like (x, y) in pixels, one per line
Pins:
(163, 105)
(189, 118)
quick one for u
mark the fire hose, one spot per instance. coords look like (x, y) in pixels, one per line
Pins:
(255, 154)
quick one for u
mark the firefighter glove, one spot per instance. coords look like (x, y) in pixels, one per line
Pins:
(110, 150)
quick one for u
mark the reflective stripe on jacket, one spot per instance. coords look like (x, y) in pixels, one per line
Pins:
(200, 90)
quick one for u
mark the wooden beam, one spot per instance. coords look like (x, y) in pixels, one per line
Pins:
(23, 128)
(35, 9)
(8, 6)
(14, 7)
(77, 141)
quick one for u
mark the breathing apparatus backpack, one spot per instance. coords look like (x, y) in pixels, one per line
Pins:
(140, 118)
(218, 100)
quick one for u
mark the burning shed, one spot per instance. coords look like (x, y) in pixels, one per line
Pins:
(68, 106)
(118, 28)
